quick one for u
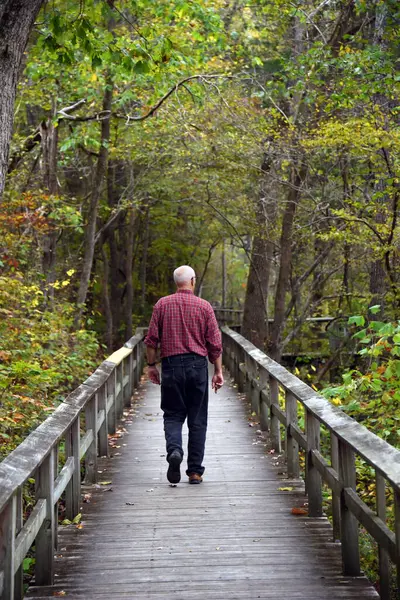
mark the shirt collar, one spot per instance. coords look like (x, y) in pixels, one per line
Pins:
(184, 291)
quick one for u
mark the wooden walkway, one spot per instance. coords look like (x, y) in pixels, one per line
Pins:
(232, 537)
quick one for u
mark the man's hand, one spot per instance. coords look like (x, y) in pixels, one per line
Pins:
(217, 381)
(154, 375)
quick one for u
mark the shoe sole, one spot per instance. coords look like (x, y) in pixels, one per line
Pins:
(174, 469)
(195, 481)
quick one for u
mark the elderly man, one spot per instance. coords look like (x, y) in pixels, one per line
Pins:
(187, 331)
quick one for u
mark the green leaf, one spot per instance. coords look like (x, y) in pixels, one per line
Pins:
(375, 309)
(356, 320)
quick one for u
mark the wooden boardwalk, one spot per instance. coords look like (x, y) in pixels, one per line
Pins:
(232, 537)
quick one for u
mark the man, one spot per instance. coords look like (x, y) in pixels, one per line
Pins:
(187, 331)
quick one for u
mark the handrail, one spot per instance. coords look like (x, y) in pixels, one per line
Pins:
(261, 379)
(101, 400)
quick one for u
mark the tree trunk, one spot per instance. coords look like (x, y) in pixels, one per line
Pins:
(16, 21)
(143, 265)
(106, 303)
(274, 342)
(255, 311)
(90, 233)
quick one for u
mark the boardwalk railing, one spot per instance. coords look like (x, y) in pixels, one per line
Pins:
(94, 409)
(263, 380)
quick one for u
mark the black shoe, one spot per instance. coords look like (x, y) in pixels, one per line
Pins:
(174, 469)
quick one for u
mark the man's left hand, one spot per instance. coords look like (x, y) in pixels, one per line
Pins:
(154, 375)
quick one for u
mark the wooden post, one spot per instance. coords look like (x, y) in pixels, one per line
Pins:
(384, 565)
(314, 482)
(119, 403)
(103, 431)
(292, 447)
(73, 490)
(264, 406)
(275, 432)
(45, 539)
(8, 520)
(19, 575)
(335, 497)
(348, 522)
(136, 369)
(91, 454)
(126, 365)
(397, 532)
(56, 452)
(112, 391)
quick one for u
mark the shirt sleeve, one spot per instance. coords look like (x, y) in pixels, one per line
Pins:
(152, 338)
(213, 337)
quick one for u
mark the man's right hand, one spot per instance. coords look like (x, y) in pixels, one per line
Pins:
(217, 381)
(154, 375)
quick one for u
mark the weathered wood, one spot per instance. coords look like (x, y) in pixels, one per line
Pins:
(396, 495)
(255, 396)
(251, 544)
(335, 495)
(264, 400)
(27, 535)
(384, 566)
(348, 523)
(73, 489)
(8, 520)
(299, 436)
(63, 478)
(313, 477)
(279, 414)
(111, 402)
(275, 432)
(292, 447)
(378, 453)
(372, 523)
(45, 539)
(118, 356)
(328, 474)
(19, 573)
(91, 413)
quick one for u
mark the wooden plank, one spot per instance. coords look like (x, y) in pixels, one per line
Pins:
(85, 443)
(63, 478)
(28, 533)
(335, 495)
(378, 453)
(328, 474)
(279, 414)
(274, 431)
(134, 341)
(102, 420)
(19, 572)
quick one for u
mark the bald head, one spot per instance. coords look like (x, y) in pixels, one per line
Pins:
(183, 276)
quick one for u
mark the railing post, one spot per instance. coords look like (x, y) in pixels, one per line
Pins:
(91, 454)
(275, 432)
(112, 391)
(335, 497)
(73, 490)
(292, 447)
(136, 368)
(396, 496)
(313, 478)
(19, 575)
(384, 566)
(103, 431)
(8, 520)
(264, 405)
(119, 395)
(126, 364)
(45, 540)
(348, 522)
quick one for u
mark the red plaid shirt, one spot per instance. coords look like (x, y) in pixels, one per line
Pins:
(183, 323)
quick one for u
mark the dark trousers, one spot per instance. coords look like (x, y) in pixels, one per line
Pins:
(184, 394)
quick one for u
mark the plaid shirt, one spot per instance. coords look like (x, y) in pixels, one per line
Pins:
(183, 323)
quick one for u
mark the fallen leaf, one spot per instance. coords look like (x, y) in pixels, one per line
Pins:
(60, 593)
(79, 526)
(105, 482)
(150, 490)
(299, 511)
(130, 503)
(285, 489)
(77, 519)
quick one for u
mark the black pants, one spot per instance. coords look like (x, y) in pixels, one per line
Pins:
(184, 394)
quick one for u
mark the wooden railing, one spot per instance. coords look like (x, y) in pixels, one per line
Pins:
(80, 427)
(263, 380)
